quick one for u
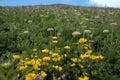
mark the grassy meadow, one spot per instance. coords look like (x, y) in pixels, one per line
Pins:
(59, 42)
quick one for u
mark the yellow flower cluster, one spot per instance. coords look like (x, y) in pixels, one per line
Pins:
(46, 58)
(74, 60)
(52, 60)
(30, 76)
(54, 40)
(43, 74)
(59, 68)
(22, 67)
(93, 57)
(88, 55)
(84, 56)
(83, 78)
(56, 57)
(32, 62)
(16, 56)
(33, 76)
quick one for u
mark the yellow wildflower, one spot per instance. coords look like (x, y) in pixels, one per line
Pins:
(60, 68)
(38, 62)
(36, 67)
(83, 56)
(21, 68)
(21, 62)
(43, 74)
(74, 60)
(82, 40)
(45, 63)
(34, 49)
(86, 78)
(55, 55)
(18, 75)
(88, 52)
(56, 59)
(93, 57)
(28, 62)
(65, 55)
(55, 41)
(32, 61)
(86, 46)
(73, 65)
(30, 76)
(81, 66)
(56, 67)
(101, 57)
(16, 56)
(45, 51)
(46, 58)
(50, 52)
(83, 78)
(67, 47)
(54, 37)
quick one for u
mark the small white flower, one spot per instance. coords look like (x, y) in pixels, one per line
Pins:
(58, 34)
(81, 23)
(87, 31)
(96, 16)
(50, 29)
(26, 32)
(114, 23)
(76, 33)
(29, 21)
(105, 31)
(91, 41)
(6, 64)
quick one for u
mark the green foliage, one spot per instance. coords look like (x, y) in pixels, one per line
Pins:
(25, 28)
(7, 72)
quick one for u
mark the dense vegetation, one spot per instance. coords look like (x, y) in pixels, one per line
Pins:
(66, 31)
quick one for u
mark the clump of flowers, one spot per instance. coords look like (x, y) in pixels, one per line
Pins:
(54, 40)
(58, 60)
(83, 78)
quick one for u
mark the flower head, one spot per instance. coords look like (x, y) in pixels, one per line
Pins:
(16, 56)
(54, 37)
(50, 29)
(87, 31)
(105, 31)
(55, 41)
(45, 51)
(34, 49)
(67, 47)
(30, 76)
(76, 33)
(43, 73)
(82, 40)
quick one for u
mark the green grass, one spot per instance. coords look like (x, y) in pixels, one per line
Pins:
(65, 20)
